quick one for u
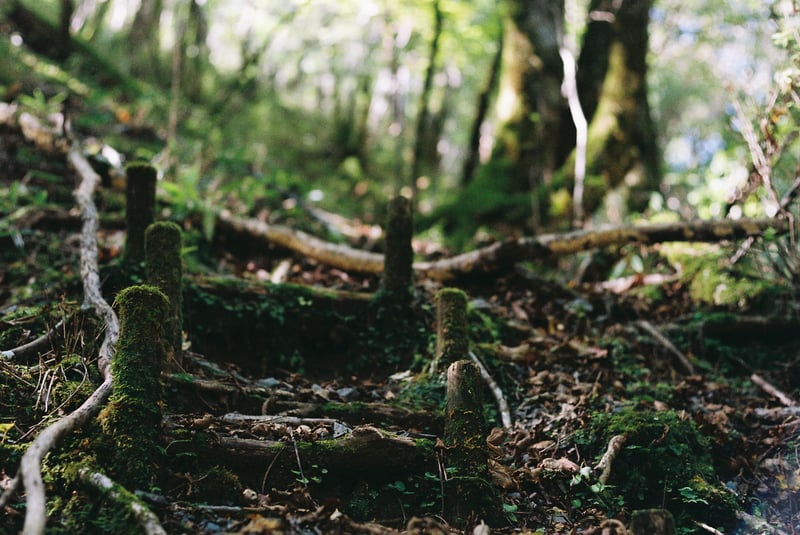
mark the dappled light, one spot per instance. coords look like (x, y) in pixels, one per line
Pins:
(343, 266)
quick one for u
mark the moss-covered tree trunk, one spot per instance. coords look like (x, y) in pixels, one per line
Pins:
(612, 78)
(163, 269)
(144, 39)
(132, 418)
(529, 103)
(536, 139)
(452, 340)
(469, 493)
(140, 205)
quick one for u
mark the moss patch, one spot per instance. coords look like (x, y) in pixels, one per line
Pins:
(666, 459)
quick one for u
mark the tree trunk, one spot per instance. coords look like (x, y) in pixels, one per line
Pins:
(481, 110)
(144, 40)
(530, 103)
(424, 100)
(612, 85)
(536, 140)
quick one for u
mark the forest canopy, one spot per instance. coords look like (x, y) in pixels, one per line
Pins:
(461, 105)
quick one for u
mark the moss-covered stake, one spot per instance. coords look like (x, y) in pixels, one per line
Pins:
(469, 494)
(652, 522)
(452, 341)
(140, 203)
(164, 270)
(132, 417)
(397, 267)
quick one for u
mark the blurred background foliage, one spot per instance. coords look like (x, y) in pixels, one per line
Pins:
(340, 104)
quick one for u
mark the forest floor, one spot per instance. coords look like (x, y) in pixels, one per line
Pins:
(579, 364)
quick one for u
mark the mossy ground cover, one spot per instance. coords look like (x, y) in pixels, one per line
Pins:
(696, 444)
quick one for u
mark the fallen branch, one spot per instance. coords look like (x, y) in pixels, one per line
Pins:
(504, 254)
(778, 413)
(502, 405)
(144, 517)
(613, 449)
(683, 359)
(38, 345)
(30, 466)
(772, 391)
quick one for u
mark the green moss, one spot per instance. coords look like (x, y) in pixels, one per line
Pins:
(263, 326)
(665, 460)
(164, 270)
(218, 486)
(711, 279)
(132, 417)
(452, 339)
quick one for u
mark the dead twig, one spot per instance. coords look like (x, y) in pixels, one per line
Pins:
(302, 479)
(683, 359)
(40, 344)
(772, 391)
(786, 200)
(497, 392)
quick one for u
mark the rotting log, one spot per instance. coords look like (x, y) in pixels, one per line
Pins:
(365, 453)
(398, 273)
(132, 418)
(652, 522)
(140, 205)
(469, 494)
(452, 340)
(163, 270)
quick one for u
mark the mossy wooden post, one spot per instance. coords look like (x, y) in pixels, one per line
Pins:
(652, 522)
(140, 205)
(163, 269)
(469, 493)
(452, 341)
(398, 272)
(132, 418)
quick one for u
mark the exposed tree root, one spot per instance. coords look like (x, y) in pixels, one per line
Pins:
(144, 517)
(613, 449)
(497, 392)
(772, 391)
(30, 466)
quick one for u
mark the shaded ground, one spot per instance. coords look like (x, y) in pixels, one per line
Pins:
(575, 364)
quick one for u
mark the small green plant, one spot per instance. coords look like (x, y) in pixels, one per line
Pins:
(39, 105)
